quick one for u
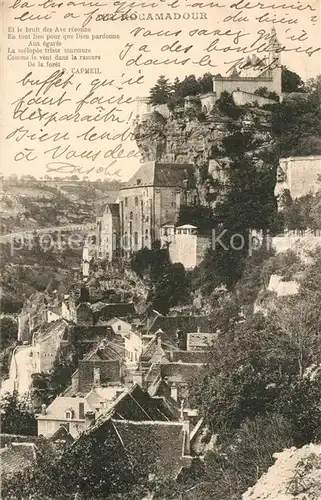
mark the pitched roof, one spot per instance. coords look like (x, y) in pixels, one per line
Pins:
(56, 409)
(137, 405)
(55, 329)
(62, 434)
(181, 372)
(161, 175)
(153, 348)
(17, 457)
(158, 446)
(200, 340)
(190, 356)
(171, 324)
(113, 208)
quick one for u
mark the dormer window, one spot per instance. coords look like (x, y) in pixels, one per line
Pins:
(68, 414)
(138, 181)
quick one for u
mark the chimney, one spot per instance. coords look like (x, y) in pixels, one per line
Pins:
(187, 435)
(174, 391)
(82, 411)
(43, 409)
(139, 378)
(89, 419)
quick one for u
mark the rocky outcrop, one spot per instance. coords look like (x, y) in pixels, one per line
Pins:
(193, 137)
(190, 136)
(296, 475)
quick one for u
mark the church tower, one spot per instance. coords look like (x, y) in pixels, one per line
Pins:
(275, 61)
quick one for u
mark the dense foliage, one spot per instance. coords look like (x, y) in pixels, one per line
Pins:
(16, 416)
(296, 122)
(174, 93)
(168, 283)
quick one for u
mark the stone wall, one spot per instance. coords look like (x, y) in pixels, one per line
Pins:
(241, 98)
(188, 249)
(273, 83)
(299, 175)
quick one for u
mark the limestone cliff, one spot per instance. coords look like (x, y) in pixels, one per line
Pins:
(191, 136)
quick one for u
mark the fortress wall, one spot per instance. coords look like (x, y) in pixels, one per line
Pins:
(241, 98)
(302, 174)
(247, 85)
(300, 245)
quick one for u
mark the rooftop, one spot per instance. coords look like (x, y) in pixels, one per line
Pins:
(16, 457)
(161, 175)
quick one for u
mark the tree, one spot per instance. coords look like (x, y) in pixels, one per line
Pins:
(296, 123)
(8, 330)
(291, 82)
(206, 83)
(300, 321)
(227, 106)
(242, 458)
(170, 288)
(16, 416)
(160, 93)
(263, 91)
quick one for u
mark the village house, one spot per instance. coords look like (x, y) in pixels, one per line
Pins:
(119, 326)
(152, 432)
(101, 367)
(76, 413)
(108, 233)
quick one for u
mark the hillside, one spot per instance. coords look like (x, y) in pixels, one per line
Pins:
(30, 203)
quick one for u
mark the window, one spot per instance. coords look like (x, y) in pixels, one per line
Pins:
(136, 201)
(119, 328)
(131, 216)
(173, 204)
(138, 181)
(68, 414)
(126, 202)
(136, 238)
(146, 234)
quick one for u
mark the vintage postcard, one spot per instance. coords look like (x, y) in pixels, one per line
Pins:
(160, 250)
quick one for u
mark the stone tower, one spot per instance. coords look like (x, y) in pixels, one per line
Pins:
(275, 61)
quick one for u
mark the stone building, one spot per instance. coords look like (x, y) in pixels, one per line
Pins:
(151, 198)
(184, 244)
(108, 226)
(254, 72)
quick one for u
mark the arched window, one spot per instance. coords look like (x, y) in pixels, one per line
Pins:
(146, 234)
(68, 414)
(126, 202)
(131, 216)
(136, 201)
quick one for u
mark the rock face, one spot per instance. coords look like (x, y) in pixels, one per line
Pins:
(192, 137)
(296, 475)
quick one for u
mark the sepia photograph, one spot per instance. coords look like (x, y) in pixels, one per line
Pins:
(160, 250)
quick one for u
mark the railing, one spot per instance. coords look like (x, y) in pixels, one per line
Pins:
(300, 233)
